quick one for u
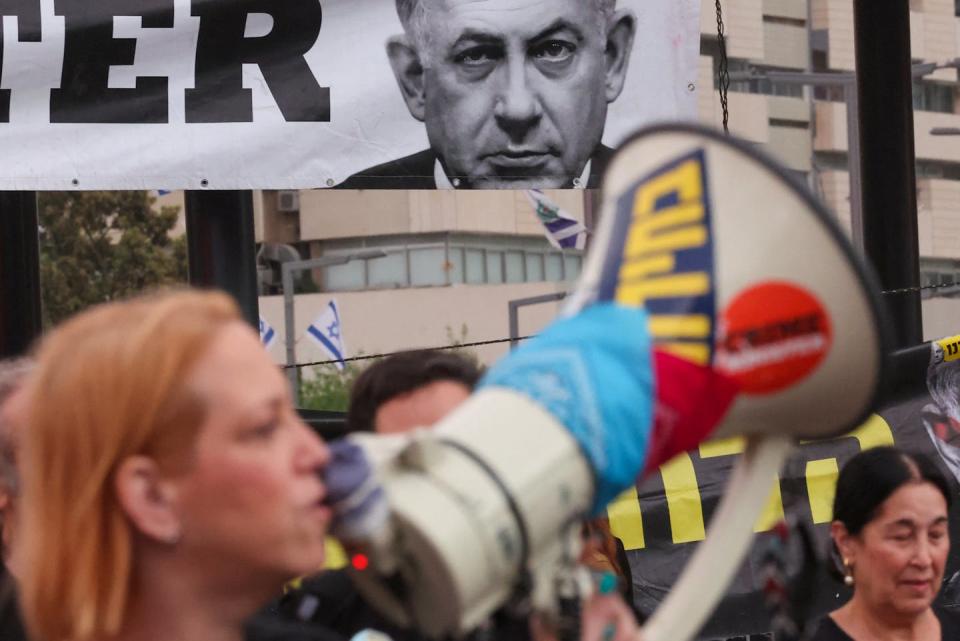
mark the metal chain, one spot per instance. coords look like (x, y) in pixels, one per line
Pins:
(372, 356)
(910, 290)
(723, 74)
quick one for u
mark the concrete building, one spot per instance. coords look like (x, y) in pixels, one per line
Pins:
(452, 262)
(806, 127)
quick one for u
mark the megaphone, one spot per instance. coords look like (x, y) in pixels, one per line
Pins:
(792, 316)
(747, 280)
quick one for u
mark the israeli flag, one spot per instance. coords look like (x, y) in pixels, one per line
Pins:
(561, 230)
(325, 330)
(267, 334)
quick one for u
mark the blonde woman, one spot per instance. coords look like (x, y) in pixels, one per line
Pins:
(169, 487)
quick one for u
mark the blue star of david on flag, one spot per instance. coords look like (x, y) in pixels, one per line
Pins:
(326, 332)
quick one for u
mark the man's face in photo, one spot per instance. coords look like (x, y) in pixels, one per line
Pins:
(513, 93)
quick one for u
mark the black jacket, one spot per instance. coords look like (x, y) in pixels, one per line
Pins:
(11, 625)
(327, 606)
(416, 172)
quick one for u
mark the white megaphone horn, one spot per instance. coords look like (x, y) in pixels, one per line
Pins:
(764, 325)
(742, 271)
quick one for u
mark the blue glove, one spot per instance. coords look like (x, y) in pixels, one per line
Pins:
(593, 373)
(354, 493)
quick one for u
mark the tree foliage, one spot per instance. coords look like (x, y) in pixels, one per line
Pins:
(328, 388)
(99, 246)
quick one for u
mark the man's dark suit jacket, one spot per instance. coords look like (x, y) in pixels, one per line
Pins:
(416, 172)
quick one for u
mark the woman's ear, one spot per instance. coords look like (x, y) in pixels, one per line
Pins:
(844, 542)
(147, 499)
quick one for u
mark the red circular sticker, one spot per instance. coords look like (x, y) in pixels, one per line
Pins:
(772, 336)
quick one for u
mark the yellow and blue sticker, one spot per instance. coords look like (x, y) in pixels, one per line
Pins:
(662, 257)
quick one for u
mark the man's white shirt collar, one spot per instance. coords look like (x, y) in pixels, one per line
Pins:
(443, 182)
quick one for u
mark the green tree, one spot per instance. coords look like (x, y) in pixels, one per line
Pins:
(99, 246)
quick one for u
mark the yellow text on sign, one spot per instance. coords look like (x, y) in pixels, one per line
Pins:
(950, 347)
(684, 500)
(650, 269)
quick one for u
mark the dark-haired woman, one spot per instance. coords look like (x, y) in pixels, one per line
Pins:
(891, 541)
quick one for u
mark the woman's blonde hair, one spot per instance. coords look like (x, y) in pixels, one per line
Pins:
(109, 384)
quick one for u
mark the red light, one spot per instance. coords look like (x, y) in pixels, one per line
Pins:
(360, 561)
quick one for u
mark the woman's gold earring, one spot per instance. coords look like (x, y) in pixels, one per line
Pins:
(847, 574)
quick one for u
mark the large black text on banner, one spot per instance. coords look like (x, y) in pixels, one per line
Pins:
(223, 46)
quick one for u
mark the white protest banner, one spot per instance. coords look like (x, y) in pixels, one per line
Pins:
(286, 94)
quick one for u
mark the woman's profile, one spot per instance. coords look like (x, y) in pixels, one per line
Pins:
(169, 487)
(891, 540)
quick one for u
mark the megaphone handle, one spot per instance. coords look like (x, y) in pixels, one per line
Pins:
(717, 558)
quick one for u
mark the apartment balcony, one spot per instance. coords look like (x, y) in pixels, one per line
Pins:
(938, 217)
(831, 132)
(743, 26)
(930, 147)
(832, 23)
(749, 117)
(938, 211)
(934, 33)
(830, 126)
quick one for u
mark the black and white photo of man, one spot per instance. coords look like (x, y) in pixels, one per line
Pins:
(512, 93)
(941, 418)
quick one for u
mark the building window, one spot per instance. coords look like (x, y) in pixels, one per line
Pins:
(428, 267)
(829, 93)
(941, 276)
(344, 277)
(932, 96)
(572, 266)
(475, 266)
(553, 267)
(759, 84)
(513, 264)
(387, 272)
(494, 266)
(534, 266)
(433, 260)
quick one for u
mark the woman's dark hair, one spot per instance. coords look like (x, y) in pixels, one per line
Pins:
(871, 477)
(400, 374)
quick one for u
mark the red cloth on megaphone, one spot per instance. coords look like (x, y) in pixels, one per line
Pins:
(691, 400)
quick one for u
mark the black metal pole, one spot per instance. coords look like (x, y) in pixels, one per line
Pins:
(907, 374)
(887, 158)
(220, 242)
(20, 309)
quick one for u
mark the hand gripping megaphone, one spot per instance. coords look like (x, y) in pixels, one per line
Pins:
(711, 269)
